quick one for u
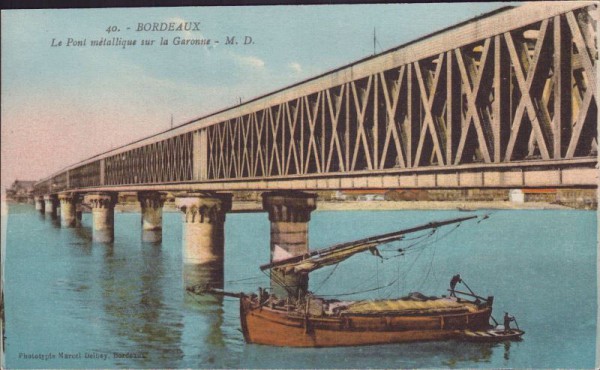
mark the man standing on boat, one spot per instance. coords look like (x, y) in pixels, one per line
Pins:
(507, 320)
(455, 280)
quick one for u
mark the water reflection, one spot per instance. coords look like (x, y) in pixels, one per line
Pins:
(477, 352)
(211, 315)
(151, 236)
(434, 354)
(83, 233)
(109, 251)
(207, 309)
(507, 350)
(205, 274)
(105, 236)
(134, 305)
(78, 215)
(206, 329)
(55, 222)
(467, 352)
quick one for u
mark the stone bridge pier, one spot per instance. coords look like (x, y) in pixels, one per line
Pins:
(51, 205)
(203, 237)
(40, 205)
(68, 209)
(103, 215)
(289, 213)
(151, 203)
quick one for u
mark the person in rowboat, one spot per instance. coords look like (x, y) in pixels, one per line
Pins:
(507, 320)
(455, 280)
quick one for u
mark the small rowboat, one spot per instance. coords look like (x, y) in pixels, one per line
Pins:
(492, 335)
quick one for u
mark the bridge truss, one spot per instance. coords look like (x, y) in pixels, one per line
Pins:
(505, 100)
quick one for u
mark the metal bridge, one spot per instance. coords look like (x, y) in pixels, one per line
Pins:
(505, 100)
(508, 100)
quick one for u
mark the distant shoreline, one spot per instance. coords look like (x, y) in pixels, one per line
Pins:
(432, 205)
(384, 206)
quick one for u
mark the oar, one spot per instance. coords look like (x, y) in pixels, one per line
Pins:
(469, 294)
(465, 284)
(516, 323)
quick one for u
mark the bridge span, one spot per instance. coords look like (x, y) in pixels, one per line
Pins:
(506, 100)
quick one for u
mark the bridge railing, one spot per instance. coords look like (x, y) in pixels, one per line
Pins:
(516, 86)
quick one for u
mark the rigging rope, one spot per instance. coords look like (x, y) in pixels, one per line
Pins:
(422, 241)
(358, 292)
(327, 277)
(411, 247)
(421, 250)
(430, 264)
(258, 277)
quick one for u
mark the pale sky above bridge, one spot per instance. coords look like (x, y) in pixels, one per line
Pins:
(62, 104)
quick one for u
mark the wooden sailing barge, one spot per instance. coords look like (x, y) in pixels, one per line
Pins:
(311, 321)
(433, 320)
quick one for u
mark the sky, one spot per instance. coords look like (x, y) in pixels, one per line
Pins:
(63, 104)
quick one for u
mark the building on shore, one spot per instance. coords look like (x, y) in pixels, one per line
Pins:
(20, 191)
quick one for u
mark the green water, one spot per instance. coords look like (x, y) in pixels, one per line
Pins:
(123, 305)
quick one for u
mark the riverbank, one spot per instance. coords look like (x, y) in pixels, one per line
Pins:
(380, 206)
(431, 205)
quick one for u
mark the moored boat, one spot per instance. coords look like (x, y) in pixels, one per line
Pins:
(326, 323)
(307, 320)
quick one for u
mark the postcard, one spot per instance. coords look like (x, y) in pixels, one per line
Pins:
(300, 186)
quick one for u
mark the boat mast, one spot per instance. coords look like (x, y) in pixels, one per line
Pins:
(374, 240)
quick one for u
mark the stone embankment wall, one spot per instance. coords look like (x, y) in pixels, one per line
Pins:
(573, 198)
(578, 198)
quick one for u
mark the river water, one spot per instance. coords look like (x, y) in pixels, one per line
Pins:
(71, 303)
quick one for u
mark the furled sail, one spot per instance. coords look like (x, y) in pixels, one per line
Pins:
(338, 253)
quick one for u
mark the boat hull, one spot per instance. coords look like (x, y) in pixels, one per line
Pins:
(262, 325)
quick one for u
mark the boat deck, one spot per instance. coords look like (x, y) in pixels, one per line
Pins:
(405, 306)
